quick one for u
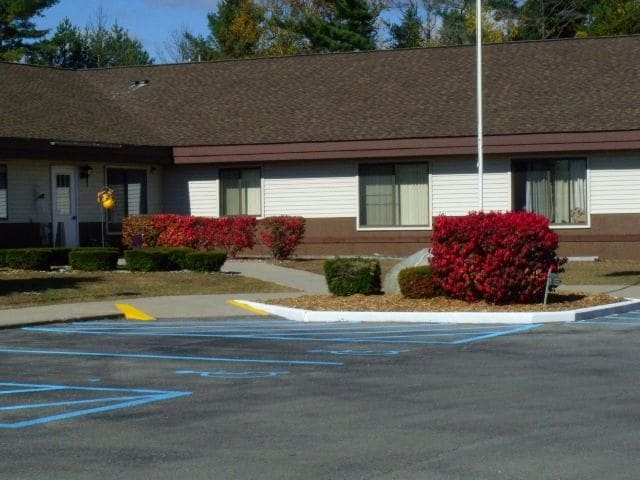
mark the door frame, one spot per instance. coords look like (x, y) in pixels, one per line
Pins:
(70, 221)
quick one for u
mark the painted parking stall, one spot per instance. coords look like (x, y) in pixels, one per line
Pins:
(187, 356)
(626, 319)
(283, 330)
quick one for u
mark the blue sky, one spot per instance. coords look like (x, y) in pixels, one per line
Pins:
(150, 21)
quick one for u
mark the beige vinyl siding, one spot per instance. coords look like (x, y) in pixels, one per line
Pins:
(454, 186)
(191, 190)
(312, 190)
(614, 183)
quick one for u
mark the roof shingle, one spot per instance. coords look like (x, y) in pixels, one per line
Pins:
(581, 85)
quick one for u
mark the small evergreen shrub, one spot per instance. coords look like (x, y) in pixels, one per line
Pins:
(29, 258)
(282, 235)
(177, 257)
(206, 261)
(60, 256)
(418, 282)
(3, 261)
(93, 259)
(349, 276)
(147, 260)
(498, 257)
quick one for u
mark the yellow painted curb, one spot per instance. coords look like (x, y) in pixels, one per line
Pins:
(132, 313)
(239, 304)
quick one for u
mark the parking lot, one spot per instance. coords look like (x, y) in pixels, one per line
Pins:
(268, 398)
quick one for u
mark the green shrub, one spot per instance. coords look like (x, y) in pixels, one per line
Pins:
(147, 260)
(348, 276)
(94, 259)
(206, 261)
(177, 257)
(60, 256)
(418, 282)
(3, 260)
(29, 258)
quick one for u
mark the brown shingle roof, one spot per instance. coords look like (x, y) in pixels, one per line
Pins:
(581, 85)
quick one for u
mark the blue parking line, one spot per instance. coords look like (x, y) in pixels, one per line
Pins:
(139, 397)
(289, 331)
(167, 357)
(520, 329)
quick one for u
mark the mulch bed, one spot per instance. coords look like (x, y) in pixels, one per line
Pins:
(397, 303)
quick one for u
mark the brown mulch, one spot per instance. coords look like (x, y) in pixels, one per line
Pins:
(397, 303)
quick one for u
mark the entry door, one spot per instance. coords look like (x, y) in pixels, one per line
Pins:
(64, 206)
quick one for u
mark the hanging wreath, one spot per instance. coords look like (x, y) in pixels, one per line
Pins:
(107, 198)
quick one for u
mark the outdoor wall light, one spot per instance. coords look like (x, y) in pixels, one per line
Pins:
(85, 172)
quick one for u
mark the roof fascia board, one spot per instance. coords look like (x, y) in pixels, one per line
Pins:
(498, 144)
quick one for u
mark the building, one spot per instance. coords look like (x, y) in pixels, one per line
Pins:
(369, 147)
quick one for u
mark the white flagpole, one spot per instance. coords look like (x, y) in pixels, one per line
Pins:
(479, 103)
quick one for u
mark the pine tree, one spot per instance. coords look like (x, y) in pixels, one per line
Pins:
(17, 29)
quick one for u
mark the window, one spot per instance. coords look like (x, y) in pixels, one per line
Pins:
(394, 195)
(240, 191)
(555, 188)
(130, 188)
(4, 207)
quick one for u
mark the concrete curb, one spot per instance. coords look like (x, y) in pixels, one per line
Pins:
(300, 315)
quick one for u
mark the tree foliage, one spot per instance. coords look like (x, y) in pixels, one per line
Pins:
(613, 17)
(17, 29)
(345, 25)
(237, 28)
(96, 46)
(408, 33)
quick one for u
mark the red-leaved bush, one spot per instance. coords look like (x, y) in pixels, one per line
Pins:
(282, 235)
(203, 233)
(497, 257)
(139, 231)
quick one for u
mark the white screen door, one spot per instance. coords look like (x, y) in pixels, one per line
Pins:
(64, 214)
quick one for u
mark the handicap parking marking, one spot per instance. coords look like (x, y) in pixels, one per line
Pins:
(286, 330)
(30, 413)
(631, 318)
(224, 374)
(24, 351)
(360, 353)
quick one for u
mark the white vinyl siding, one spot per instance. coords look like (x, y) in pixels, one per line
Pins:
(312, 190)
(497, 185)
(454, 185)
(203, 197)
(615, 183)
(191, 190)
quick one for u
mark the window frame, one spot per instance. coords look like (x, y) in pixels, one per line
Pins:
(242, 188)
(110, 225)
(394, 164)
(4, 185)
(528, 159)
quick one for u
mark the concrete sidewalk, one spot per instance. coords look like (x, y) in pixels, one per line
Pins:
(201, 306)
(188, 306)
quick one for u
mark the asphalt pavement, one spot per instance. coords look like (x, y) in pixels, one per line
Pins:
(208, 306)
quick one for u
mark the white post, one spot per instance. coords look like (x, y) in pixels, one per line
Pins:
(479, 103)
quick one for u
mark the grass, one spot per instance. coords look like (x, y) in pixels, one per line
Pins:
(604, 272)
(23, 288)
